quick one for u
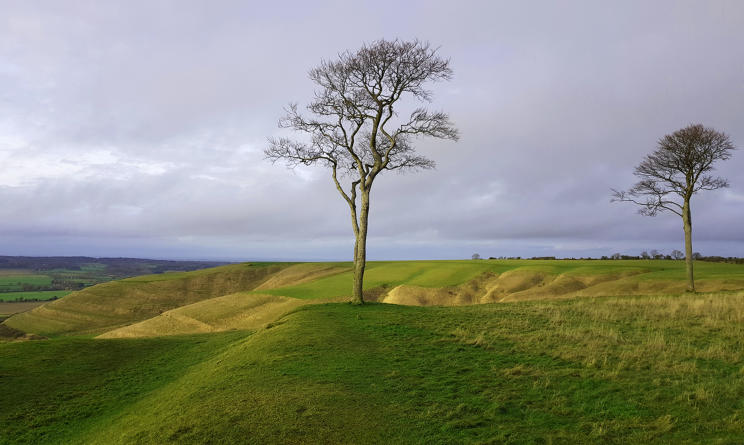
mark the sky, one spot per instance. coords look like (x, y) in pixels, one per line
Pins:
(137, 128)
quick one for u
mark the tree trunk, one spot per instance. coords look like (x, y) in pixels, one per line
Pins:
(360, 251)
(687, 221)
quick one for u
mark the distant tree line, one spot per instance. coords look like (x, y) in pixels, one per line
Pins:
(29, 299)
(652, 255)
(114, 266)
(75, 273)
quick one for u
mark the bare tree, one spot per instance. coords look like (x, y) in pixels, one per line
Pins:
(355, 130)
(674, 172)
(677, 255)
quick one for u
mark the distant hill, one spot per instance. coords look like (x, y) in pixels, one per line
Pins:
(47, 278)
(116, 267)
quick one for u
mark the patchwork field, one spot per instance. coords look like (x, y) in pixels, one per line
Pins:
(30, 277)
(567, 352)
(19, 280)
(43, 295)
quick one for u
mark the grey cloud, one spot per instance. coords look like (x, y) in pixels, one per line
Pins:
(136, 128)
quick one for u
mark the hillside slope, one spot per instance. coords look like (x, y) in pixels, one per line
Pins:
(159, 304)
(242, 310)
(606, 370)
(110, 305)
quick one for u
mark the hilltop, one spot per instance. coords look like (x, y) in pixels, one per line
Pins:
(581, 370)
(247, 295)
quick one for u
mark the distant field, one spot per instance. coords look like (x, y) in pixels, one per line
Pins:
(47, 277)
(33, 295)
(8, 309)
(16, 282)
(15, 272)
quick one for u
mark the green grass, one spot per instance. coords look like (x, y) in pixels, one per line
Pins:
(110, 305)
(607, 370)
(451, 273)
(389, 274)
(33, 295)
(12, 283)
(57, 391)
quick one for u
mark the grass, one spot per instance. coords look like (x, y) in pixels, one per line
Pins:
(667, 369)
(109, 306)
(241, 310)
(13, 283)
(388, 274)
(56, 391)
(435, 274)
(33, 295)
(8, 309)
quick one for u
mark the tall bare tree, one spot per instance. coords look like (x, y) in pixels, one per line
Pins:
(354, 127)
(674, 172)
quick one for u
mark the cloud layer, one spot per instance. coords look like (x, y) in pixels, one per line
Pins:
(137, 128)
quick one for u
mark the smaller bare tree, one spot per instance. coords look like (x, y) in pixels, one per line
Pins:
(674, 172)
(677, 255)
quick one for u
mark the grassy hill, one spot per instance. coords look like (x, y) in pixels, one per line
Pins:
(244, 296)
(110, 305)
(666, 369)
(256, 353)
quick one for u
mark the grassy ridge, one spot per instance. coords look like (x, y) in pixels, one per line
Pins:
(388, 274)
(112, 305)
(117, 303)
(241, 310)
(435, 274)
(614, 370)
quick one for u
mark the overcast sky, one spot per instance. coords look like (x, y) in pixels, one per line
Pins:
(137, 128)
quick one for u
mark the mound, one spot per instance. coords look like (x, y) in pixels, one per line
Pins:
(585, 371)
(299, 274)
(528, 283)
(110, 305)
(236, 311)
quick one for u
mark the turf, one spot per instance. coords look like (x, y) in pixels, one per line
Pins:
(613, 370)
(33, 295)
(13, 283)
(121, 303)
(54, 392)
(436, 274)
(111, 305)
(8, 309)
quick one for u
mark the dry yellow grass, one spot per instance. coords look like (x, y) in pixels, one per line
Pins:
(300, 273)
(525, 285)
(7, 309)
(119, 303)
(241, 310)
(139, 304)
